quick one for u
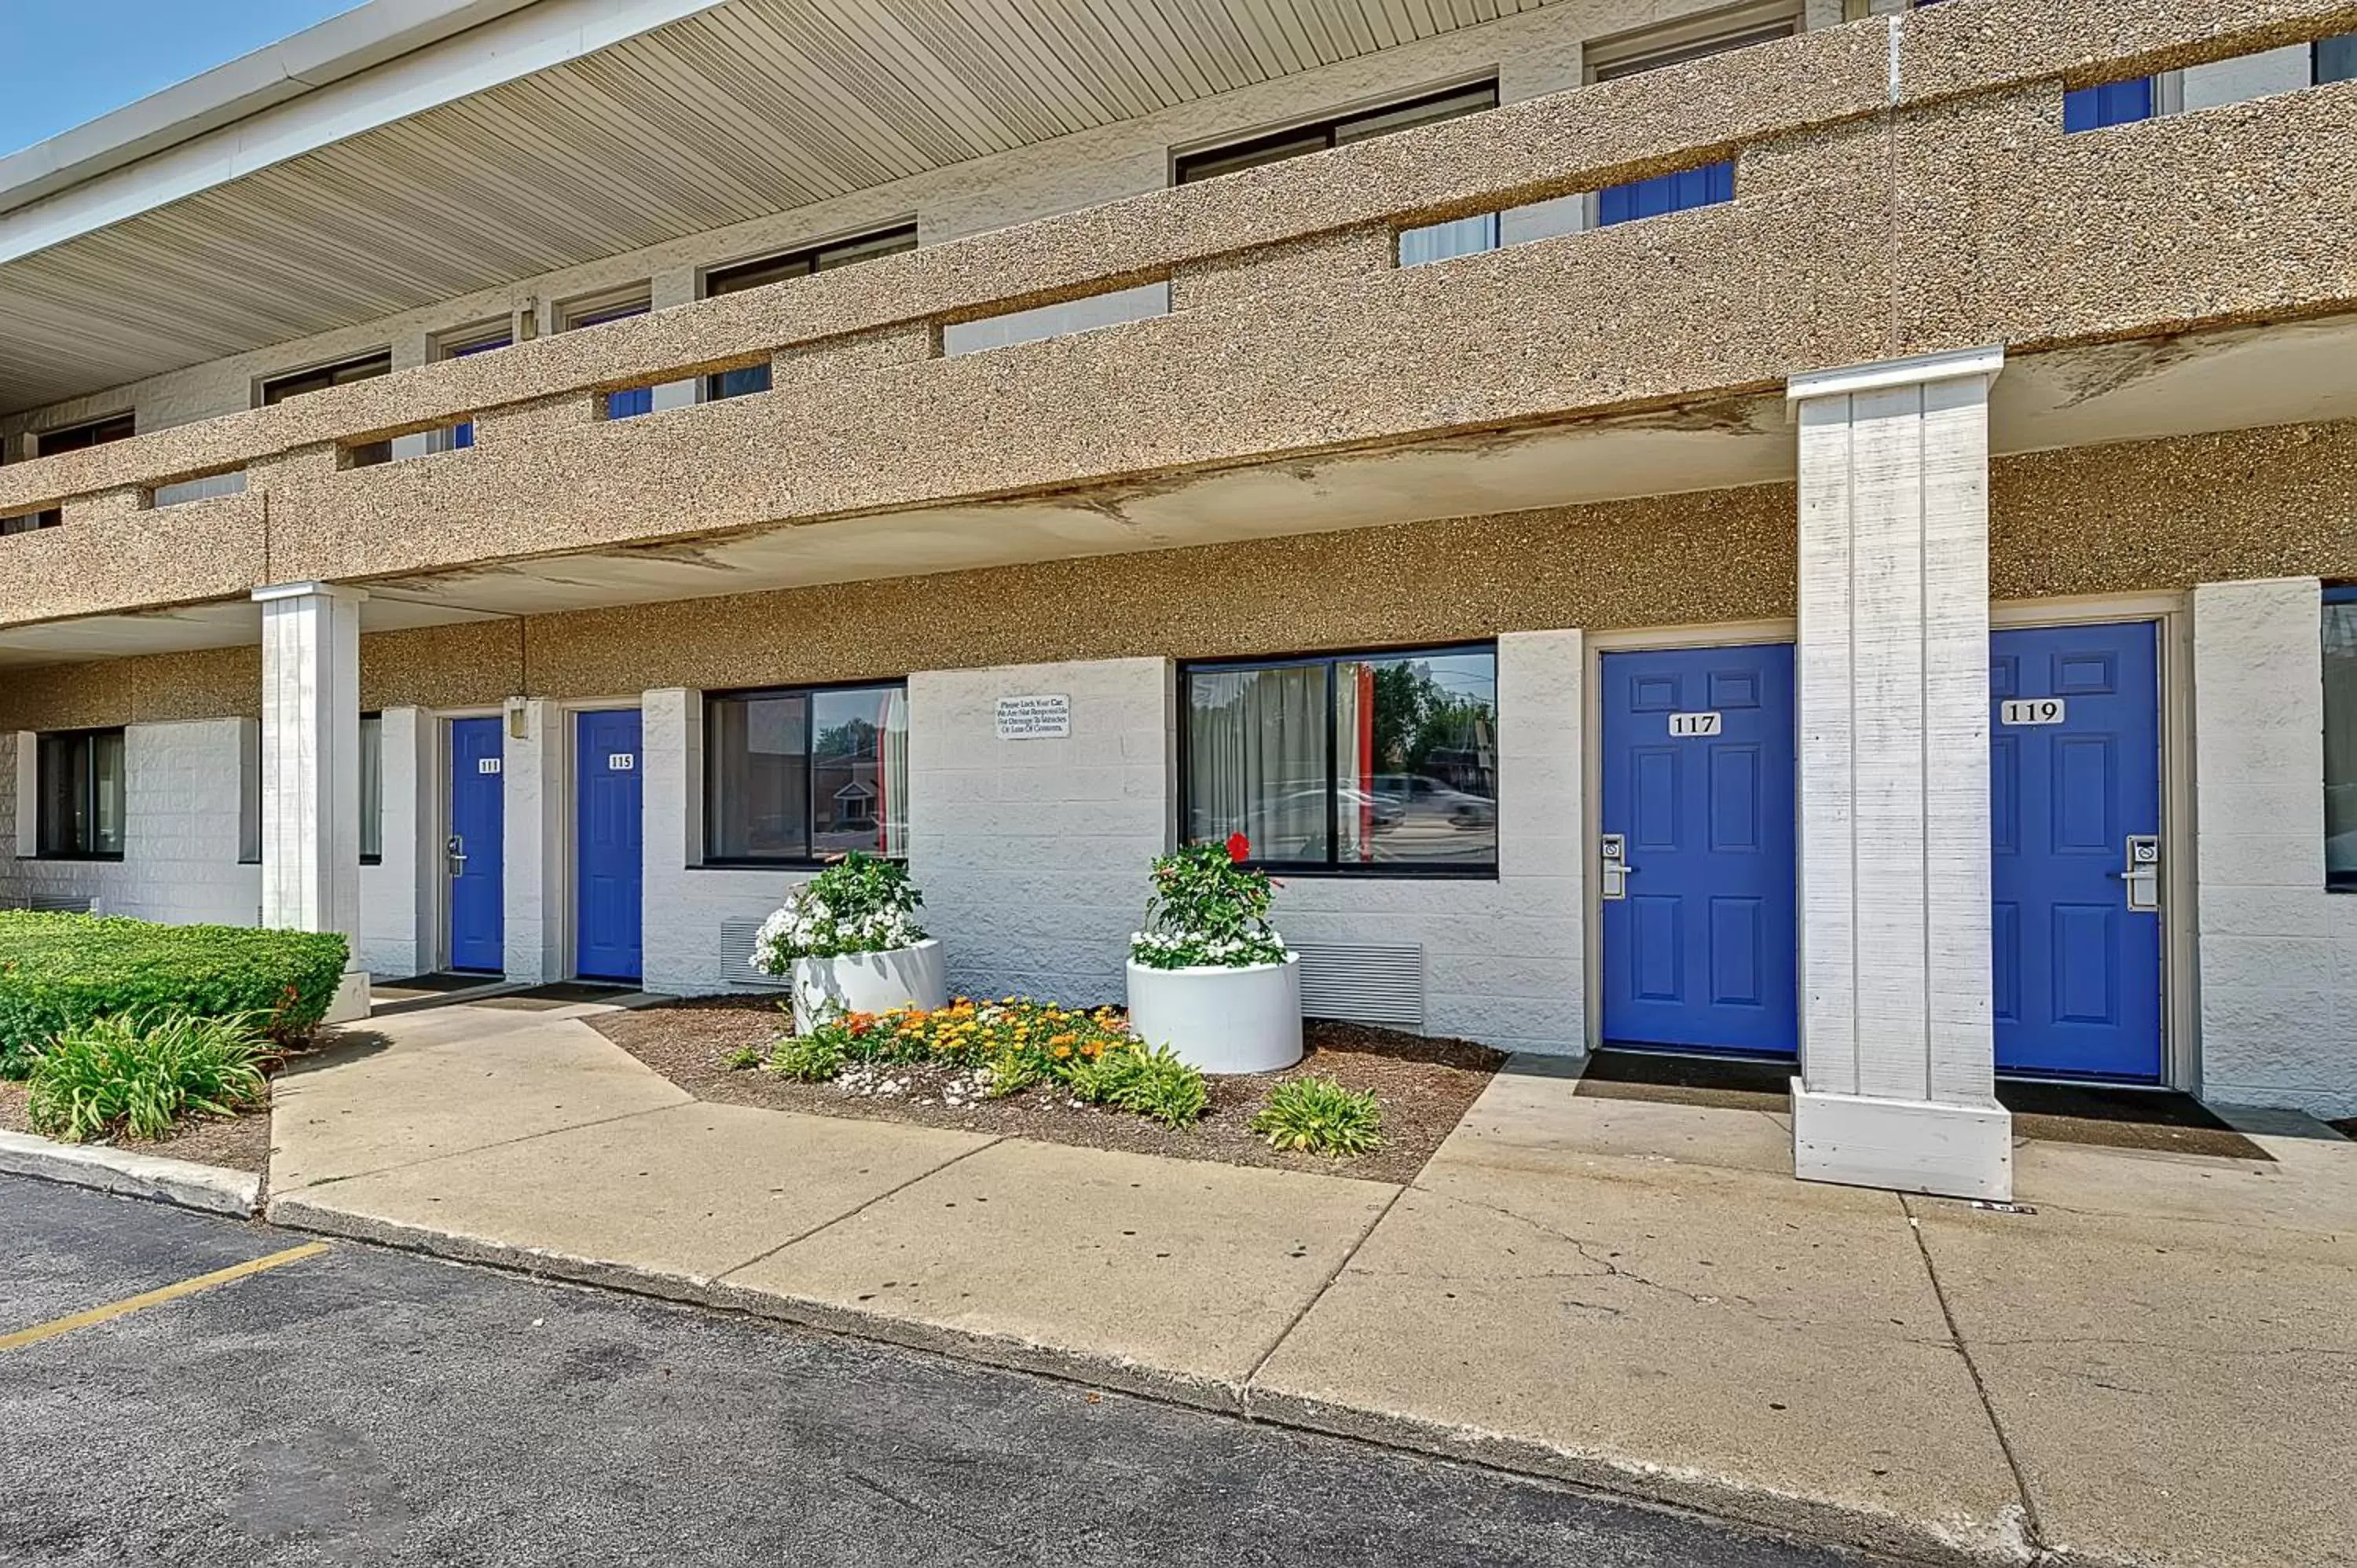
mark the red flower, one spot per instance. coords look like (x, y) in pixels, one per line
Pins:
(1239, 847)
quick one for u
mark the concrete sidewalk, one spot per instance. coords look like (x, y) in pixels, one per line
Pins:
(2158, 1367)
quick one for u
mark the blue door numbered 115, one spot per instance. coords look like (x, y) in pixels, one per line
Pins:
(608, 861)
(2074, 813)
(472, 854)
(1698, 869)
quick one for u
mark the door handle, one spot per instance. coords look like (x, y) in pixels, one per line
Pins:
(2142, 874)
(454, 849)
(1614, 848)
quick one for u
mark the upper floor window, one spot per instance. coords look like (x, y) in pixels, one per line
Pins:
(320, 378)
(627, 402)
(2336, 59)
(791, 776)
(1653, 49)
(799, 264)
(1320, 135)
(80, 789)
(465, 343)
(70, 439)
(1364, 762)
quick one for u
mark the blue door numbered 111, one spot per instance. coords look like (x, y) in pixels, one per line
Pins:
(471, 855)
(608, 863)
(1698, 869)
(2074, 816)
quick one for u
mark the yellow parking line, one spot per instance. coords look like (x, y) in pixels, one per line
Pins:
(96, 1314)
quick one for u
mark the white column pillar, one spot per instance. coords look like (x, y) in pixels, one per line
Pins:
(533, 870)
(1897, 1050)
(310, 767)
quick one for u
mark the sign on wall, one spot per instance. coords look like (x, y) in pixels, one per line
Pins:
(1044, 716)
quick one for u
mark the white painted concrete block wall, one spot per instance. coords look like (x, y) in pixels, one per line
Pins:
(1505, 959)
(686, 903)
(1033, 854)
(181, 831)
(396, 935)
(2278, 953)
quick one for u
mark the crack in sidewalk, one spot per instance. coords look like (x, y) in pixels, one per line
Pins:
(2033, 1528)
(853, 1212)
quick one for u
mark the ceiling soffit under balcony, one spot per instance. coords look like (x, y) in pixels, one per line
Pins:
(740, 111)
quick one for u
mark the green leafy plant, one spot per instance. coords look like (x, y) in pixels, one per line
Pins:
(122, 1075)
(858, 904)
(1209, 910)
(814, 1058)
(741, 1057)
(59, 971)
(1149, 1080)
(1320, 1116)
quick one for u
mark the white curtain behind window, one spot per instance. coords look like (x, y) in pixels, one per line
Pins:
(1256, 760)
(892, 811)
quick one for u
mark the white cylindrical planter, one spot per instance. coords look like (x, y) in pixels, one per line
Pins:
(869, 983)
(1220, 1020)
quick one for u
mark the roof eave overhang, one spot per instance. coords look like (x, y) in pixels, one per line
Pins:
(368, 67)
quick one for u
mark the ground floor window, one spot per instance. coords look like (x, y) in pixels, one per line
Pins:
(371, 789)
(82, 795)
(1347, 762)
(2340, 735)
(793, 777)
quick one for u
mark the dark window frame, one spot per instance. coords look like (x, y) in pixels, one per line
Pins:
(44, 830)
(77, 437)
(373, 717)
(710, 860)
(1458, 871)
(783, 266)
(1186, 167)
(2335, 595)
(271, 390)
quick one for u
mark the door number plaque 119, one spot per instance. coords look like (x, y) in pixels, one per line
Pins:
(2016, 712)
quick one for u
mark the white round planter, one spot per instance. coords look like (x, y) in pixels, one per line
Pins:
(1220, 1020)
(869, 983)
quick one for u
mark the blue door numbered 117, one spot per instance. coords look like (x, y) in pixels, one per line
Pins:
(2074, 813)
(607, 862)
(1699, 870)
(471, 855)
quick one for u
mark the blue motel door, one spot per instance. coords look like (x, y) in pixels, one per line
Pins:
(472, 854)
(609, 827)
(2075, 810)
(1699, 894)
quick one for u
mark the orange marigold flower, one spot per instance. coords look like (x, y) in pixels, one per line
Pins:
(1063, 1051)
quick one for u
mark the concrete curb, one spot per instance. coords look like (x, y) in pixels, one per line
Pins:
(129, 1174)
(1952, 1543)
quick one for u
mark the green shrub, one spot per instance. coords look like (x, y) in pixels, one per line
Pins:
(814, 1058)
(60, 972)
(1148, 1081)
(1321, 1116)
(741, 1057)
(118, 1075)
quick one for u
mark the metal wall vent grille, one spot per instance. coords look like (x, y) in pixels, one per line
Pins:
(55, 904)
(736, 957)
(1361, 984)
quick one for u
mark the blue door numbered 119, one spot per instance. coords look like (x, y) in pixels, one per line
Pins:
(608, 861)
(2075, 815)
(1699, 870)
(472, 854)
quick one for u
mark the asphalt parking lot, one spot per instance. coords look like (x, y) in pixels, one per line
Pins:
(351, 1405)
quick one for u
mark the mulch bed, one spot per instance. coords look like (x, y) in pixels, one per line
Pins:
(233, 1143)
(1426, 1086)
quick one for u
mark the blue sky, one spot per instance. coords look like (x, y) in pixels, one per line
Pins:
(65, 61)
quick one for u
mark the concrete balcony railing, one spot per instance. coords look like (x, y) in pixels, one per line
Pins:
(1903, 187)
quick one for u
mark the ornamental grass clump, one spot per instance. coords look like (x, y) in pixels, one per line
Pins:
(1005, 1047)
(123, 1076)
(1209, 910)
(1318, 1116)
(858, 904)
